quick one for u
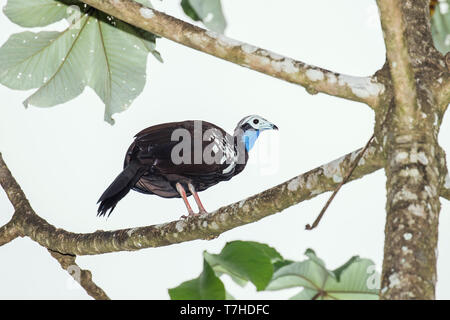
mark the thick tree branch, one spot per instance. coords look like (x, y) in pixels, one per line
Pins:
(414, 158)
(276, 199)
(8, 232)
(314, 79)
(83, 277)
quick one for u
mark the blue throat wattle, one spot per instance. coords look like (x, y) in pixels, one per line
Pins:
(249, 138)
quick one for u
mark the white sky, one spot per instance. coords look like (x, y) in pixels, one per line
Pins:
(66, 156)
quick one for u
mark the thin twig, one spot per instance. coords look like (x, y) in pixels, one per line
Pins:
(354, 165)
(349, 174)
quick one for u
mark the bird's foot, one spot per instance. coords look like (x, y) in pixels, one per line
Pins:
(193, 214)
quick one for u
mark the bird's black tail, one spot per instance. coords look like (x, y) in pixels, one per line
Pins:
(119, 188)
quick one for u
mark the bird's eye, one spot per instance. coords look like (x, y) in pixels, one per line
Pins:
(256, 121)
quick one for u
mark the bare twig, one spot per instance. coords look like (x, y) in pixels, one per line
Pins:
(345, 180)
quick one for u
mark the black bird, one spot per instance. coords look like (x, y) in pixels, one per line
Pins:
(179, 159)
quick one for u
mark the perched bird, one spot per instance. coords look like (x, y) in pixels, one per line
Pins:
(179, 159)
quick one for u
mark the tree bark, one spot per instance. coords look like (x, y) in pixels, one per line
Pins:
(415, 162)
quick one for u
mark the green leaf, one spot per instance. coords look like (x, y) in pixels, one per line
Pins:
(350, 281)
(279, 264)
(440, 27)
(307, 294)
(96, 50)
(337, 272)
(354, 282)
(206, 287)
(187, 8)
(208, 11)
(39, 13)
(245, 261)
(307, 274)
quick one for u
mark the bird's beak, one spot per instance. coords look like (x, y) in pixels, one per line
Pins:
(269, 126)
(266, 125)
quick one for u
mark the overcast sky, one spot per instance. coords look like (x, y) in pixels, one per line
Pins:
(66, 156)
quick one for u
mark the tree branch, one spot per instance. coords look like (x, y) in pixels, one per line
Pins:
(314, 79)
(414, 158)
(8, 232)
(276, 199)
(83, 277)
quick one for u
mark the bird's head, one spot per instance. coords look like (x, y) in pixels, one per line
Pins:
(249, 128)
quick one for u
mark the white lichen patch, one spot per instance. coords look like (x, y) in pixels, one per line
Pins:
(180, 225)
(214, 226)
(412, 173)
(131, 231)
(147, 13)
(447, 182)
(394, 280)
(224, 40)
(333, 170)
(205, 224)
(248, 48)
(418, 157)
(431, 192)
(287, 65)
(331, 78)
(403, 139)
(362, 87)
(404, 194)
(417, 210)
(407, 236)
(401, 157)
(276, 56)
(312, 184)
(315, 75)
(294, 184)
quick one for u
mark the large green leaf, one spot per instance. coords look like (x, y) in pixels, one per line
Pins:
(353, 283)
(96, 50)
(440, 26)
(38, 13)
(208, 11)
(206, 287)
(350, 281)
(245, 261)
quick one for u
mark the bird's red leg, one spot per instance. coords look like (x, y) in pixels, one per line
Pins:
(182, 193)
(197, 199)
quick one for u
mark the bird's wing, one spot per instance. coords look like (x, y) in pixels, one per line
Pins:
(153, 146)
